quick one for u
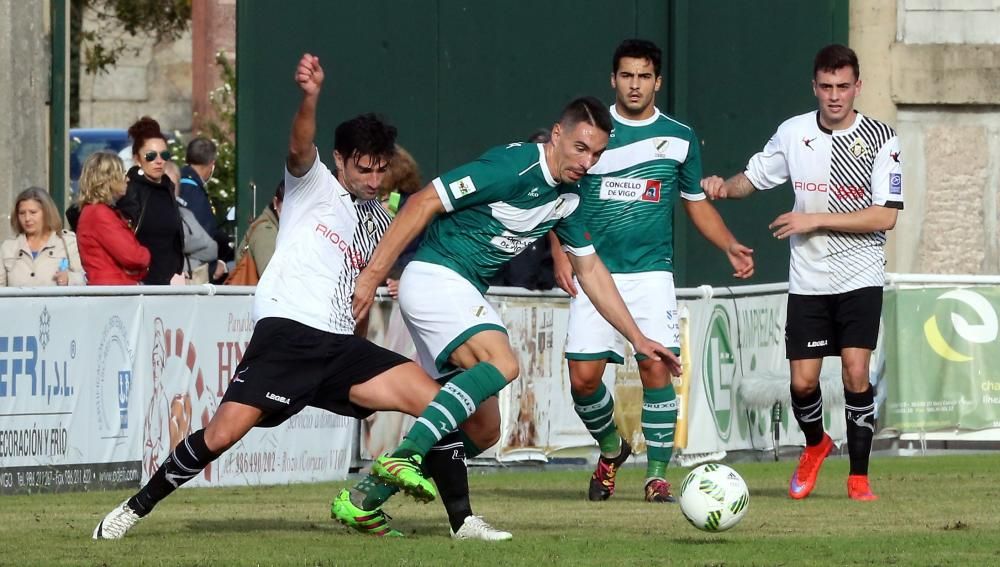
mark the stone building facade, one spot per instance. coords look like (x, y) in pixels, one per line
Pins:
(169, 81)
(932, 68)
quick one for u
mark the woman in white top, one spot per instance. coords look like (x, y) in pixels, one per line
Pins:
(41, 253)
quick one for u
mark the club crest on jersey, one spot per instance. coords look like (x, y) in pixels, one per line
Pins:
(462, 187)
(660, 146)
(626, 189)
(858, 148)
(369, 223)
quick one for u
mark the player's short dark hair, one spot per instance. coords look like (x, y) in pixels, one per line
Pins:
(586, 109)
(365, 135)
(639, 49)
(201, 151)
(836, 56)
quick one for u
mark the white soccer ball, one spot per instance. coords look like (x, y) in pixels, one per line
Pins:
(714, 497)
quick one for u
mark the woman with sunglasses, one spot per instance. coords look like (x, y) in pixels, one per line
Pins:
(149, 204)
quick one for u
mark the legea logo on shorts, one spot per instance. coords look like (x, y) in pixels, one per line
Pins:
(976, 333)
(718, 370)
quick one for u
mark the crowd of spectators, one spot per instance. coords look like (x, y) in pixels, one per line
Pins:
(142, 219)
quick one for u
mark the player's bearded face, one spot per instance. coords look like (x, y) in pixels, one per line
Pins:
(361, 175)
(577, 149)
(636, 84)
(836, 91)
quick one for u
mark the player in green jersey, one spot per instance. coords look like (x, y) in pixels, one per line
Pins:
(628, 201)
(478, 217)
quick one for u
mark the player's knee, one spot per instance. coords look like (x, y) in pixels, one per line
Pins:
(508, 366)
(584, 384)
(855, 376)
(803, 389)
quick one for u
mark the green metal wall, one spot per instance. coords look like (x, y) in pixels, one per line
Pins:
(458, 77)
(739, 69)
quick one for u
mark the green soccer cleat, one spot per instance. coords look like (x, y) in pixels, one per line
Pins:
(405, 473)
(372, 522)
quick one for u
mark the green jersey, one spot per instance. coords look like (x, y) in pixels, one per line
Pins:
(495, 207)
(629, 195)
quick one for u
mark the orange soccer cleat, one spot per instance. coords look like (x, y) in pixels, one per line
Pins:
(804, 478)
(858, 488)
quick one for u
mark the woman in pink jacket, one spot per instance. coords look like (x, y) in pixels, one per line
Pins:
(110, 252)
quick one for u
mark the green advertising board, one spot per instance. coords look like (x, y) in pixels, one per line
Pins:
(943, 358)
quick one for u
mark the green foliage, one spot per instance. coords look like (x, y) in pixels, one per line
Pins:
(221, 129)
(101, 48)
(932, 511)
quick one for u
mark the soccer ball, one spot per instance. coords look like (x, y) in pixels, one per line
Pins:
(714, 497)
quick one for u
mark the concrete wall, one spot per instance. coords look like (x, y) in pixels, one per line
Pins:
(932, 68)
(24, 90)
(170, 81)
(153, 79)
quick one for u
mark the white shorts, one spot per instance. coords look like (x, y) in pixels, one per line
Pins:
(650, 298)
(442, 310)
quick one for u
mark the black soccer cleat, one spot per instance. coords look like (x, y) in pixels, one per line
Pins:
(602, 482)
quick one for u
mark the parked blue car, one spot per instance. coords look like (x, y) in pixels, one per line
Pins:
(85, 141)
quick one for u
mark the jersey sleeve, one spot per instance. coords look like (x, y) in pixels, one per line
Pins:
(887, 176)
(312, 182)
(690, 172)
(487, 180)
(571, 228)
(769, 168)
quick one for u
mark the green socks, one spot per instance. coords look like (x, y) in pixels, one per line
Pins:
(659, 414)
(456, 401)
(597, 411)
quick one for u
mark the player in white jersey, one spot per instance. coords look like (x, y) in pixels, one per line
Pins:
(846, 175)
(306, 349)
(628, 198)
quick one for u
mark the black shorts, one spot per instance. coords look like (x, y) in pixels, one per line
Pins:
(822, 325)
(289, 366)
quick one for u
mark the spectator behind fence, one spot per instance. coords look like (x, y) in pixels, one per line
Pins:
(532, 268)
(150, 205)
(400, 181)
(260, 239)
(42, 253)
(200, 158)
(201, 252)
(111, 253)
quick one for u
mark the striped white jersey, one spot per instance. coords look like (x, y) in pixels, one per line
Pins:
(833, 172)
(325, 239)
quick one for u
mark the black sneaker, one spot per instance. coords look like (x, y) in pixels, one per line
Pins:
(602, 482)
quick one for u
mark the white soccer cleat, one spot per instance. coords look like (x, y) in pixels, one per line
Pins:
(477, 528)
(116, 523)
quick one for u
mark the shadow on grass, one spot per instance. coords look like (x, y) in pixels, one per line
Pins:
(709, 540)
(259, 525)
(782, 493)
(548, 493)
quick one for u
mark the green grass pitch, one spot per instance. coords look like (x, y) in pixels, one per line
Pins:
(940, 510)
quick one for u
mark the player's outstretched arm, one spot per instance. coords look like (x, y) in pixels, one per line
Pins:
(710, 224)
(420, 210)
(869, 219)
(736, 187)
(301, 148)
(561, 267)
(602, 291)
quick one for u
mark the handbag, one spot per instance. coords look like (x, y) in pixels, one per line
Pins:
(245, 271)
